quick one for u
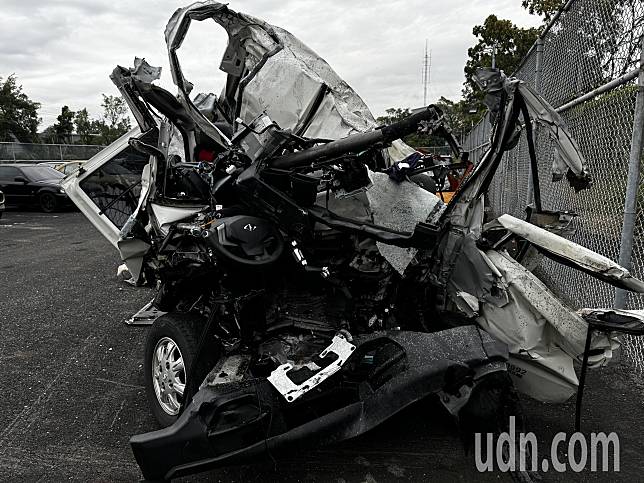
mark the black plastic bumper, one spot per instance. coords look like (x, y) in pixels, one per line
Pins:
(233, 423)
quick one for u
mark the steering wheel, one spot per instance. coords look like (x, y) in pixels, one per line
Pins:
(247, 240)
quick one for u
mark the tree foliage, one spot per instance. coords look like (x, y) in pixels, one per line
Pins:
(64, 125)
(115, 121)
(509, 42)
(543, 8)
(460, 115)
(84, 126)
(18, 114)
(395, 114)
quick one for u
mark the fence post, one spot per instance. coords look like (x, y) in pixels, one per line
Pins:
(13, 150)
(60, 150)
(632, 184)
(538, 69)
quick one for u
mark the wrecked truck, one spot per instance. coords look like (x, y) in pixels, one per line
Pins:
(308, 285)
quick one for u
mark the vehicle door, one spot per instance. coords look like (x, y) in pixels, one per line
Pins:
(14, 185)
(108, 187)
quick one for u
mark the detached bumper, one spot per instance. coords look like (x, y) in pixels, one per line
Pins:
(233, 423)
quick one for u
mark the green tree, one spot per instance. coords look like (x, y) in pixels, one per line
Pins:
(395, 114)
(85, 126)
(501, 38)
(64, 125)
(18, 114)
(543, 8)
(115, 121)
(461, 115)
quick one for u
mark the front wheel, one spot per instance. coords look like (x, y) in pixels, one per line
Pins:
(48, 202)
(170, 353)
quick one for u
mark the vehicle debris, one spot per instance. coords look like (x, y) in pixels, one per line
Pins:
(309, 286)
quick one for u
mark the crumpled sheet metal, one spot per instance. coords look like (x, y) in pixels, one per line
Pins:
(132, 250)
(144, 72)
(637, 314)
(475, 277)
(535, 322)
(288, 84)
(569, 252)
(569, 156)
(400, 206)
(532, 305)
(281, 76)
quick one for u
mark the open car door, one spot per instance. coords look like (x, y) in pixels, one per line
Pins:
(107, 188)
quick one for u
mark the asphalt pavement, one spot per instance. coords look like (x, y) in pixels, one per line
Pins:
(72, 387)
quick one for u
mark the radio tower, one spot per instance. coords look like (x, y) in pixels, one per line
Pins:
(427, 67)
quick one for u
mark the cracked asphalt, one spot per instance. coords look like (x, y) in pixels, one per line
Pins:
(72, 390)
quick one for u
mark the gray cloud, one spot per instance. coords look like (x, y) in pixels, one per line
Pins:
(63, 50)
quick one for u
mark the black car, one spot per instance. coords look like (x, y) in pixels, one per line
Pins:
(29, 184)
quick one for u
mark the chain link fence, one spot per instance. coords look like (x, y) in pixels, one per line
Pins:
(17, 152)
(586, 64)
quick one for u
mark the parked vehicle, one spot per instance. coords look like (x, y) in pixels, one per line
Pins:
(309, 288)
(65, 167)
(33, 185)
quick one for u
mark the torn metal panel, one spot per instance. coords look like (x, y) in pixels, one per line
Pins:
(271, 71)
(636, 315)
(475, 274)
(570, 253)
(536, 322)
(280, 379)
(551, 380)
(569, 157)
(274, 73)
(146, 315)
(557, 222)
(228, 369)
(400, 206)
(144, 73)
(131, 248)
(166, 216)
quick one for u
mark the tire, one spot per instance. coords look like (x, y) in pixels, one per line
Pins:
(488, 410)
(48, 202)
(173, 340)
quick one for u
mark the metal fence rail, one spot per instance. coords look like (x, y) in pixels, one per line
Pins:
(10, 152)
(586, 64)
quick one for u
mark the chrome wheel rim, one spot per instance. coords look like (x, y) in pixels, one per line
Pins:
(168, 375)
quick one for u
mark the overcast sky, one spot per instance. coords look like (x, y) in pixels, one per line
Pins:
(62, 51)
